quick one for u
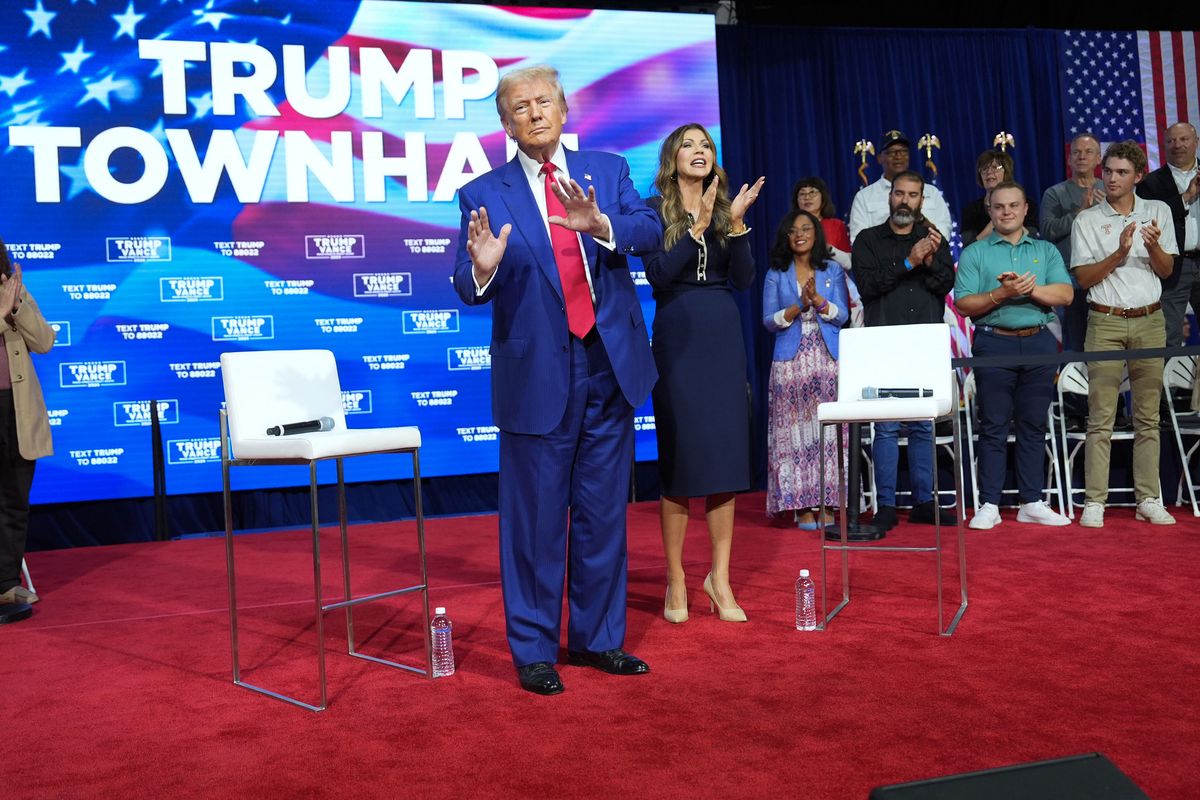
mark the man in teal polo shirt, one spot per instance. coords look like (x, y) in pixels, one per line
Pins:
(1009, 285)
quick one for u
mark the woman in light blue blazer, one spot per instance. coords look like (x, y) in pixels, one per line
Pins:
(806, 304)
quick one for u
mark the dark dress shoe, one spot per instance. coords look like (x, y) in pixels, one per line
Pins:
(885, 518)
(615, 662)
(540, 678)
(922, 514)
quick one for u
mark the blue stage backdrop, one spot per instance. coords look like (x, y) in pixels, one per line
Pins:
(185, 179)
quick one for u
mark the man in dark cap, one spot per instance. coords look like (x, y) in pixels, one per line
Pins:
(871, 203)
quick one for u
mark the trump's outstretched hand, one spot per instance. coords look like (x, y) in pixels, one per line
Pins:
(485, 249)
(583, 214)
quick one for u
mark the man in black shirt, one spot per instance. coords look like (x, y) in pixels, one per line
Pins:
(904, 270)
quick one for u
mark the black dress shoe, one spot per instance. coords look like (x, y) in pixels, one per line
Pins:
(885, 518)
(540, 678)
(922, 514)
(616, 662)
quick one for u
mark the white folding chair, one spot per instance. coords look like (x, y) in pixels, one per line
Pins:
(1180, 373)
(898, 355)
(264, 389)
(1054, 486)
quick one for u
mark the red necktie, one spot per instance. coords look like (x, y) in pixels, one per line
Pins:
(581, 317)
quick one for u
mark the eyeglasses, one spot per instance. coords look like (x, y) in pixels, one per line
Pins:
(807, 193)
(991, 168)
(801, 231)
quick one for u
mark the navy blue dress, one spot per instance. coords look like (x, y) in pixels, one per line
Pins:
(702, 399)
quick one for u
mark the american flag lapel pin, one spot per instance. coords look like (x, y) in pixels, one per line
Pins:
(587, 177)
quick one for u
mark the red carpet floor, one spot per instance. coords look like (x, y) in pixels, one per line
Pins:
(1076, 641)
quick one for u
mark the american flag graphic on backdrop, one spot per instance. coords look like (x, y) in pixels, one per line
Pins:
(252, 250)
(1129, 85)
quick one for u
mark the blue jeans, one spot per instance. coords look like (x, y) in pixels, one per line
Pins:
(885, 450)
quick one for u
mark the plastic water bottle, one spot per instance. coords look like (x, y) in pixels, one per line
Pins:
(806, 603)
(443, 647)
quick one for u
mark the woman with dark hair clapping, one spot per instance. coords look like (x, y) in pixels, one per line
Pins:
(701, 400)
(805, 302)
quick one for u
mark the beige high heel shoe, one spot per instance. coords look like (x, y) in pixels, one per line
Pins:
(674, 615)
(734, 614)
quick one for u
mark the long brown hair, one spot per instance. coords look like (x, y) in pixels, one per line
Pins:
(674, 215)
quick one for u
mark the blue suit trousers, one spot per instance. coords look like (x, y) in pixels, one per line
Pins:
(562, 517)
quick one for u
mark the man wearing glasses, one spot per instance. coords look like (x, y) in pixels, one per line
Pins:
(870, 207)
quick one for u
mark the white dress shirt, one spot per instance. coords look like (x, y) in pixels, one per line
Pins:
(1191, 223)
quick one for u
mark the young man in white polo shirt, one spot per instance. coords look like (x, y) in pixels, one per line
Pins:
(1121, 249)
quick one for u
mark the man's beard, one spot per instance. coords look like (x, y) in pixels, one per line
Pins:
(903, 216)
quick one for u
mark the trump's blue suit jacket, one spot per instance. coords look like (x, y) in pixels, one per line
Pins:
(530, 342)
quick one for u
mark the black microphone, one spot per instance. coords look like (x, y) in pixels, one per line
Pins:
(871, 393)
(308, 426)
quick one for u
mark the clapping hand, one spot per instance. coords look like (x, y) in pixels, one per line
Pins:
(583, 214)
(10, 291)
(1150, 234)
(935, 241)
(1014, 285)
(741, 204)
(1192, 191)
(814, 297)
(1127, 239)
(809, 293)
(704, 217)
(485, 249)
(922, 252)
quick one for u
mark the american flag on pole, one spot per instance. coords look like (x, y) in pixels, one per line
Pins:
(1129, 85)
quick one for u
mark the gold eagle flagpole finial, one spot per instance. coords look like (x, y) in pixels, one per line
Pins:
(862, 148)
(927, 143)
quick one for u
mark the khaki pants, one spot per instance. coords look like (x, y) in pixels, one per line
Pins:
(1106, 333)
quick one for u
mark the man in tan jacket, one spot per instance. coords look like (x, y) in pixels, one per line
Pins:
(24, 425)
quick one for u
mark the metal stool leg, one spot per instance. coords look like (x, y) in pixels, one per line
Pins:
(937, 525)
(346, 594)
(319, 608)
(28, 580)
(419, 509)
(962, 550)
(827, 615)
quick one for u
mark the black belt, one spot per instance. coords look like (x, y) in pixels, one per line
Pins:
(1192, 254)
